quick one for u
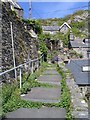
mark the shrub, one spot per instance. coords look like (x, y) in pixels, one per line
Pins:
(7, 90)
(13, 102)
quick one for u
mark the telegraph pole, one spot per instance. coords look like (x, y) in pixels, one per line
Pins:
(30, 9)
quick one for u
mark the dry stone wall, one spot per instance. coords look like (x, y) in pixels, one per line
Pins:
(24, 44)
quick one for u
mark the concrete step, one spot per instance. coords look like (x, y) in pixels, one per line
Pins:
(40, 94)
(38, 113)
(50, 72)
(50, 79)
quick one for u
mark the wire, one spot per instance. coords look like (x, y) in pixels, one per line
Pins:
(37, 13)
(65, 10)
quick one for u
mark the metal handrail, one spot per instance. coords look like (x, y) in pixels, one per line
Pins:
(19, 66)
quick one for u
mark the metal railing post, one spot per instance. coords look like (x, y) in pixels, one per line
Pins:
(20, 78)
(38, 60)
(13, 50)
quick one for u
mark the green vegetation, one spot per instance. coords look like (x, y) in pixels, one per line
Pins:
(34, 24)
(65, 95)
(11, 92)
(14, 101)
(42, 45)
(62, 37)
(76, 27)
(7, 90)
(74, 54)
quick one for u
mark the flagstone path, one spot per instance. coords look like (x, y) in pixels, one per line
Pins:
(45, 95)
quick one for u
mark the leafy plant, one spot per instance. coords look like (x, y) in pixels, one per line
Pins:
(13, 102)
(34, 24)
(65, 101)
(7, 90)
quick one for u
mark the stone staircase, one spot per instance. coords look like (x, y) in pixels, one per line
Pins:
(43, 95)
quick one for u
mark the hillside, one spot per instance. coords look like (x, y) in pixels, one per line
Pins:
(77, 20)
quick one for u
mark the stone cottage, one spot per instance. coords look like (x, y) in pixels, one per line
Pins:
(54, 29)
(64, 28)
(80, 69)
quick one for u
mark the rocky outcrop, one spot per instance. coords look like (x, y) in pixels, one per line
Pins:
(24, 45)
(80, 18)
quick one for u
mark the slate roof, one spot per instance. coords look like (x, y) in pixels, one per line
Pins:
(81, 78)
(79, 43)
(50, 28)
(55, 28)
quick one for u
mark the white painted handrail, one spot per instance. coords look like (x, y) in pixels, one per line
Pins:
(21, 66)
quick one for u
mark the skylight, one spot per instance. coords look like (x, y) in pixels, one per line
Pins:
(86, 68)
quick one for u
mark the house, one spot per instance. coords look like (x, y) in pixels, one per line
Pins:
(54, 29)
(81, 46)
(64, 28)
(50, 29)
(80, 69)
(14, 6)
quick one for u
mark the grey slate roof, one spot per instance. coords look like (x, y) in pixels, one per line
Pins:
(51, 28)
(79, 43)
(81, 78)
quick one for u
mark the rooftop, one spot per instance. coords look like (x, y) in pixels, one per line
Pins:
(81, 78)
(51, 28)
(79, 44)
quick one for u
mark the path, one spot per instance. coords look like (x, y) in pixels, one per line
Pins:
(45, 95)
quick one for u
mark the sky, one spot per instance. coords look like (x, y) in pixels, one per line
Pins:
(44, 10)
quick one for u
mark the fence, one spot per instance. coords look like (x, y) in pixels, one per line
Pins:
(32, 65)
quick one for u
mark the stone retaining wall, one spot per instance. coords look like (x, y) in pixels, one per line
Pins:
(25, 46)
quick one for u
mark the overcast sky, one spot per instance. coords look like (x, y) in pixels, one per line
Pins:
(52, 9)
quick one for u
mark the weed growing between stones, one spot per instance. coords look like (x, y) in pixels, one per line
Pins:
(14, 102)
(11, 92)
(65, 100)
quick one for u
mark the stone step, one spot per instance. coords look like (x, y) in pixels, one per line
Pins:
(55, 84)
(50, 79)
(40, 94)
(38, 113)
(50, 72)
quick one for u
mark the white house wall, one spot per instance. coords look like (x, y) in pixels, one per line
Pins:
(50, 32)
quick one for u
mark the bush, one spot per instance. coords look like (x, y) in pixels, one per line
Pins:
(35, 25)
(25, 87)
(13, 102)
